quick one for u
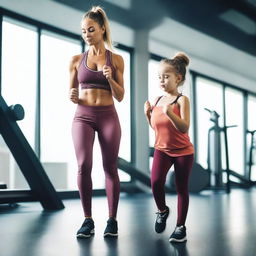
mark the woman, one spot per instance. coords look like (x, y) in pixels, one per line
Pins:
(99, 73)
(169, 117)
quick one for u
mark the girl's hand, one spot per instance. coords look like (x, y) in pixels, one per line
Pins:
(167, 108)
(73, 95)
(107, 72)
(147, 107)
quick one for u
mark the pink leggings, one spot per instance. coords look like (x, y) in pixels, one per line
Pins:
(182, 167)
(104, 121)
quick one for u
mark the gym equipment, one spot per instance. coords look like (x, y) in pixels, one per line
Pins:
(214, 151)
(252, 147)
(42, 188)
(3, 186)
(214, 155)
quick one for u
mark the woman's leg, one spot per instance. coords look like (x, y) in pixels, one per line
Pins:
(182, 167)
(109, 133)
(83, 137)
(161, 165)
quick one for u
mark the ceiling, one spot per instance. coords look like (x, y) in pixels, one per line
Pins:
(230, 21)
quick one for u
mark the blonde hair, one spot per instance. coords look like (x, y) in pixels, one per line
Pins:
(179, 62)
(97, 14)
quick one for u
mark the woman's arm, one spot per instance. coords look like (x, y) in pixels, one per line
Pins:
(73, 87)
(117, 85)
(181, 123)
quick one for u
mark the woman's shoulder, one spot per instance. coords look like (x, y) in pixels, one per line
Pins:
(117, 60)
(76, 59)
(116, 56)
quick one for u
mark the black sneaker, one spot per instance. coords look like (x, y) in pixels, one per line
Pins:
(111, 228)
(179, 234)
(87, 229)
(161, 218)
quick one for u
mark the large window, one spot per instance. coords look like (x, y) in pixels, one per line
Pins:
(234, 116)
(209, 95)
(19, 71)
(19, 80)
(124, 112)
(251, 127)
(57, 151)
(123, 109)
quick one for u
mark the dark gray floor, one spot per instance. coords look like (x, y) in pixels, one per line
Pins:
(218, 224)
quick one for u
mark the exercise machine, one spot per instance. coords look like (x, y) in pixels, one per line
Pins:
(41, 187)
(250, 151)
(215, 152)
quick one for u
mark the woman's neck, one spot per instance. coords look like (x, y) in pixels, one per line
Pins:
(97, 49)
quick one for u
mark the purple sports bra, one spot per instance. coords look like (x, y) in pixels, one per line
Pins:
(89, 78)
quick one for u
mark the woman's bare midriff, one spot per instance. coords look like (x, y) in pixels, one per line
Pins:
(95, 97)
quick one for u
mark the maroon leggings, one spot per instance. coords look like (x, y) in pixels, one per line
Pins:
(104, 121)
(182, 167)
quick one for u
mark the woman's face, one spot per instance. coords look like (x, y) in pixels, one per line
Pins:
(168, 79)
(92, 32)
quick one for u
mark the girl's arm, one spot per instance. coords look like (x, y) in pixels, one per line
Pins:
(148, 109)
(181, 123)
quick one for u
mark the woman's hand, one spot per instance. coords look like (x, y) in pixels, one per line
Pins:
(73, 95)
(147, 107)
(107, 72)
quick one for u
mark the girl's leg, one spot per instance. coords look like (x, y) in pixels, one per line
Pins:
(83, 137)
(161, 165)
(182, 167)
(109, 133)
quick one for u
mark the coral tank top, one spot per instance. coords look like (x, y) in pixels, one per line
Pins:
(167, 137)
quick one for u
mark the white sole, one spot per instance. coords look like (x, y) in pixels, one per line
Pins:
(85, 236)
(178, 240)
(110, 234)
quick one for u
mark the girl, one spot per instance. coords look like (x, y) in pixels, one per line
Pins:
(169, 116)
(99, 73)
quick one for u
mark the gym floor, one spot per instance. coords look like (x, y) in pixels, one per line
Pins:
(217, 224)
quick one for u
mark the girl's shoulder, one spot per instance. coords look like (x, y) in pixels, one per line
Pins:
(183, 99)
(156, 100)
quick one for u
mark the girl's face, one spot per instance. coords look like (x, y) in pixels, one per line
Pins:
(92, 33)
(168, 79)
